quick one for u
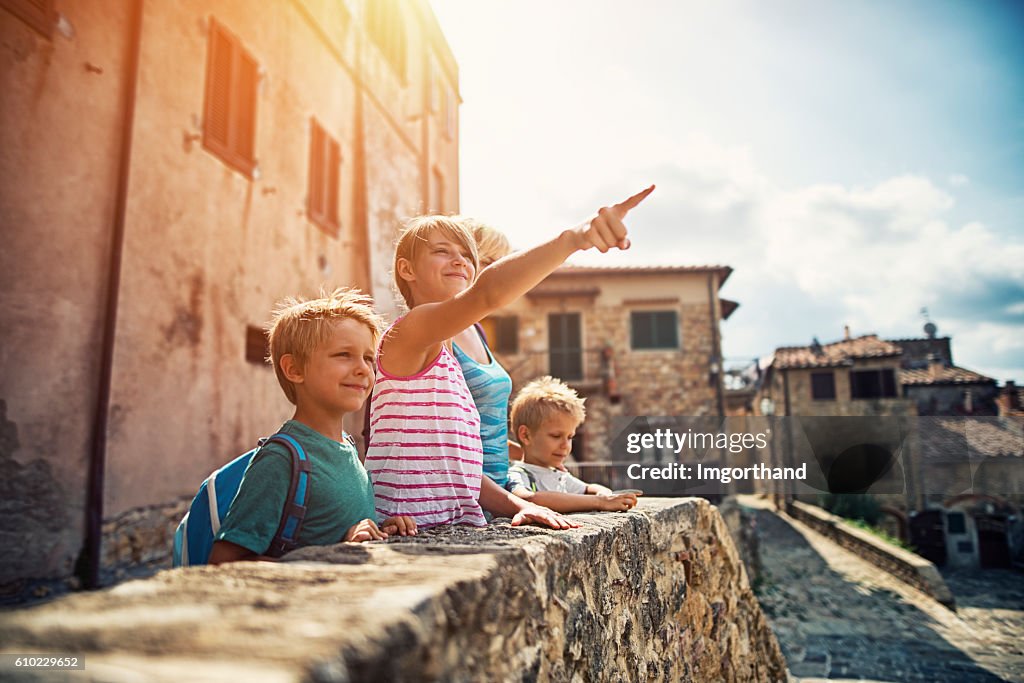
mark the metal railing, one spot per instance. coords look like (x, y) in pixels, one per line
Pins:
(573, 366)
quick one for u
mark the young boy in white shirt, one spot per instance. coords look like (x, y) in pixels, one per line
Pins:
(545, 416)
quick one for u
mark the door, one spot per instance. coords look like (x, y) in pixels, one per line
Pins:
(565, 352)
(928, 536)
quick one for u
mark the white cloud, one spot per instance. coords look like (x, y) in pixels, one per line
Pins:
(958, 180)
(869, 256)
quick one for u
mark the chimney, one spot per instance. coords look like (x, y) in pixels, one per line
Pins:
(935, 366)
(846, 332)
(1012, 395)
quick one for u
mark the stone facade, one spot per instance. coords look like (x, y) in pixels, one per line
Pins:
(659, 593)
(617, 379)
(207, 249)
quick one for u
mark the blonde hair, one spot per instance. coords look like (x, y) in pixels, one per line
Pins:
(542, 397)
(490, 242)
(298, 326)
(419, 230)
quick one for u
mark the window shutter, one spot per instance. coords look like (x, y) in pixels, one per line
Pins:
(218, 90)
(39, 14)
(333, 179)
(316, 166)
(247, 84)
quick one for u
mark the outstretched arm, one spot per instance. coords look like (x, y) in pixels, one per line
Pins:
(508, 279)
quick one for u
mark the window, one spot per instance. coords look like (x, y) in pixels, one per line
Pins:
(386, 28)
(324, 175)
(565, 348)
(435, 89)
(956, 522)
(39, 14)
(437, 192)
(654, 330)
(502, 333)
(451, 109)
(257, 345)
(232, 77)
(873, 383)
(823, 386)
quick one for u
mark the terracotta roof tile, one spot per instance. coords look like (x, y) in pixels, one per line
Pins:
(943, 375)
(959, 439)
(572, 270)
(835, 354)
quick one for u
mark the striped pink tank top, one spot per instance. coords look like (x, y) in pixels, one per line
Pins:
(425, 457)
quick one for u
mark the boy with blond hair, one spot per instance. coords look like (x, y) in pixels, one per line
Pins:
(545, 416)
(323, 351)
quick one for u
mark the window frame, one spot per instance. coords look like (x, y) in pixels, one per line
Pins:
(323, 191)
(451, 107)
(257, 345)
(857, 384)
(235, 145)
(831, 375)
(40, 16)
(502, 333)
(654, 331)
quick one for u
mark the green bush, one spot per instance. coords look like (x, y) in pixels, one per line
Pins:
(852, 506)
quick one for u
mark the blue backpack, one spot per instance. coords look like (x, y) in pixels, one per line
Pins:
(193, 540)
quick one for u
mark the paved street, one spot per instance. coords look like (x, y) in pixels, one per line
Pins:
(839, 617)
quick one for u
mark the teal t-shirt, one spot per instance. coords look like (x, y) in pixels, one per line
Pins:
(340, 493)
(491, 387)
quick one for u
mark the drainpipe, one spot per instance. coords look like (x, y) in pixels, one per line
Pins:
(716, 346)
(87, 568)
(360, 191)
(787, 454)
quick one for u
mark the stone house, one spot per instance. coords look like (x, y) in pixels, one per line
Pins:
(171, 170)
(929, 377)
(1010, 401)
(635, 341)
(906, 394)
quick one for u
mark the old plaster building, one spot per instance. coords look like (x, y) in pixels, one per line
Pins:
(171, 170)
(635, 341)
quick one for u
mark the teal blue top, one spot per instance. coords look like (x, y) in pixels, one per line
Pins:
(491, 388)
(340, 493)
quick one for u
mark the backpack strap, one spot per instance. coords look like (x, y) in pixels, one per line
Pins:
(529, 475)
(295, 505)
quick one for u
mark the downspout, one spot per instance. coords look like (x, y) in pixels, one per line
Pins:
(360, 190)
(787, 453)
(716, 346)
(425, 115)
(87, 568)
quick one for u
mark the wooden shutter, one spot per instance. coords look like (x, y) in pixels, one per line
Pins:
(324, 179)
(245, 115)
(316, 170)
(216, 126)
(232, 82)
(39, 14)
(333, 179)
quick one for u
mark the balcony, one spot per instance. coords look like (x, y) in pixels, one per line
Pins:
(586, 370)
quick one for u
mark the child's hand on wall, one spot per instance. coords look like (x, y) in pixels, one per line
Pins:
(402, 525)
(539, 514)
(617, 502)
(365, 530)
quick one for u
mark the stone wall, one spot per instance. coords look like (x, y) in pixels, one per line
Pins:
(654, 594)
(908, 567)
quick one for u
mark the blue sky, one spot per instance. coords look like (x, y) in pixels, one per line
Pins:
(852, 161)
